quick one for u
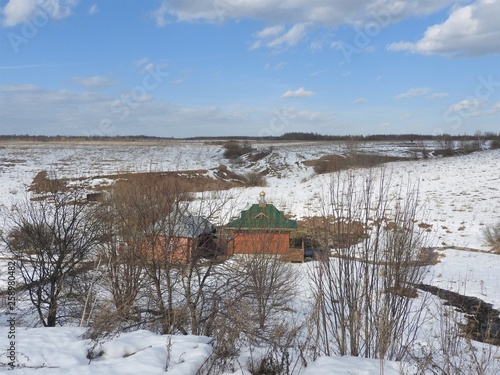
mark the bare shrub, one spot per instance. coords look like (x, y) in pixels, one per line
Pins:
(363, 294)
(446, 146)
(255, 179)
(270, 364)
(268, 286)
(491, 236)
(255, 314)
(494, 144)
(469, 146)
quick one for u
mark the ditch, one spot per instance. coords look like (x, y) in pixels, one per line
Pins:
(483, 321)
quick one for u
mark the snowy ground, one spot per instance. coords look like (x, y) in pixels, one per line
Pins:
(461, 196)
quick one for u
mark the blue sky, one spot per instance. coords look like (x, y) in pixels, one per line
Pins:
(183, 68)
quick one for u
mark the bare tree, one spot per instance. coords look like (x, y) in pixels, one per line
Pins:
(52, 240)
(139, 274)
(202, 278)
(364, 292)
(256, 311)
(268, 284)
(162, 257)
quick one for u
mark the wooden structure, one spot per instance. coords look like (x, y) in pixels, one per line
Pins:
(295, 255)
(183, 237)
(261, 229)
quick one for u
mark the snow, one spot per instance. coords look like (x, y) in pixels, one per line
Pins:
(468, 272)
(461, 195)
(352, 366)
(61, 350)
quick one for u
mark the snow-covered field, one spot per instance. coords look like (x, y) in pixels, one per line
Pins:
(460, 195)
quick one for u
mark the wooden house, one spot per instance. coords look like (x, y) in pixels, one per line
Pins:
(181, 238)
(261, 229)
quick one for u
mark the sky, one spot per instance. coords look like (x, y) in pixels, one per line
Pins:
(186, 68)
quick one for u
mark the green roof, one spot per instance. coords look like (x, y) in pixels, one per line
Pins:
(261, 217)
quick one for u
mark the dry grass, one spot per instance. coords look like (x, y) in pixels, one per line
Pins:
(192, 181)
(335, 163)
(341, 232)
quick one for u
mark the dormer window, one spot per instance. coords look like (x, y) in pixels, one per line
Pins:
(261, 215)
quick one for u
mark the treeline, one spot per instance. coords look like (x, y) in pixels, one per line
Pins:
(291, 136)
(70, 138)
(300, 136)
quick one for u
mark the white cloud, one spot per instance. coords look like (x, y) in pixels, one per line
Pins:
(324, 12)
(360, 101)
(145, 65)
(317, 45)
(318, 72)
(466, 105)
(471, 30)
(277, 66)
(373, 14)
(280, 65)
(296, 118)
(279, 38)
(16, 12)
(473, 107)
(159, 15)
(304, 116)
(493, 110)
(270, 32)
(299, 93)
(93, 9)
(93, 81)
(418, 91)
(143, 61)
(20, 88)
(291, 37)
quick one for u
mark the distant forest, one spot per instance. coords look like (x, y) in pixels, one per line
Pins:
(293, 136)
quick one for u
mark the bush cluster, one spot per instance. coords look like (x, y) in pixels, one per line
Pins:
(234, 149)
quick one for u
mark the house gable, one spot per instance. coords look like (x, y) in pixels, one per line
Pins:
(262, 216)
(261, 229)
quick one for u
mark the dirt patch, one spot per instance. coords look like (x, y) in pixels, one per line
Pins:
(42, 184)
